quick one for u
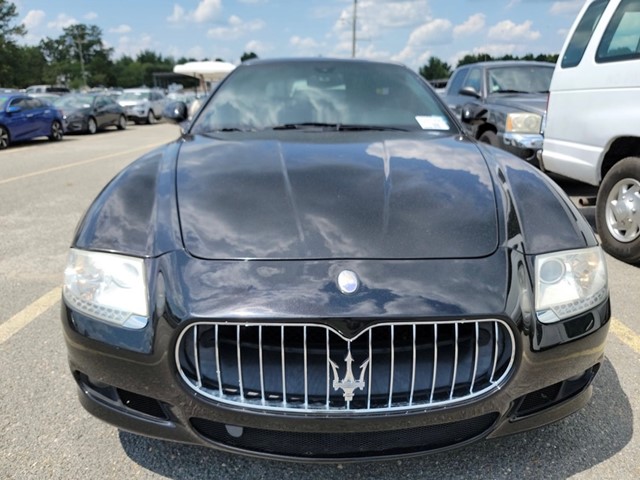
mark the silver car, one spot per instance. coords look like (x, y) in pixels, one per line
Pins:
(143, 105)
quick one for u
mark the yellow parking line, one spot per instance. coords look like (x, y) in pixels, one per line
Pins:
(625, 334)
(77, 164)
(28, 314)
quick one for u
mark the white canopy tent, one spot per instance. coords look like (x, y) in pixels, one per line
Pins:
(207, 72)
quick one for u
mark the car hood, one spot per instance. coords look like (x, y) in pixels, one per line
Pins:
(340, 195)
(533, 102)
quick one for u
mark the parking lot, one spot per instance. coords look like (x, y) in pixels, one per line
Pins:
(45, 433)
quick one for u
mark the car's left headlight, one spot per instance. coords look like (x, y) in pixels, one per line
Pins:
(569, 283)
(523, 123)
(109, 287)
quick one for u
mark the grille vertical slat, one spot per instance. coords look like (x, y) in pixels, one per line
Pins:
(413, 363)
(306, 374)
(313, 368)
(495, 353)
(284, 374)
(392, 367)
(435, 362)
(455, 362)
(218, 368)
(328, 389)
(475, 356)
(239, 354)
(261, 360)
(370, 369)
(196, 355)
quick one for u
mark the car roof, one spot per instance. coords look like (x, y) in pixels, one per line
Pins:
(509, 63)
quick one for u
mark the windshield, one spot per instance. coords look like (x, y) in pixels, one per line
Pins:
(323, 94)
(74, 101)
(520, 79)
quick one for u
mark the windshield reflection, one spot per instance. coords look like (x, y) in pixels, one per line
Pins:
(322, 94)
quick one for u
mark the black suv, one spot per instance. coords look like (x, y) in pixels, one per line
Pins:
(502, 103)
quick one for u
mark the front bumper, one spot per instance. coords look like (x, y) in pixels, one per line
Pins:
(144, 393)
(523, 145)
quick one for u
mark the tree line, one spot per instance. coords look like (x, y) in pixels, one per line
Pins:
(79, 58)
(436, 69)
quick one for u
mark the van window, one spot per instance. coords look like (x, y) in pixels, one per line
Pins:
(582, 35)
(620, 39)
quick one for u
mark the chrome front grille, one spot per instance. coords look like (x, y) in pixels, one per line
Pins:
(313, 368)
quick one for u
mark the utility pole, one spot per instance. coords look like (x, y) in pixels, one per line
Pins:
(353, 29)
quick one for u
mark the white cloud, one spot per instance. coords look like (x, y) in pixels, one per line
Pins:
(91, 16)
(120, 29)
(435, 32)
(307, 43)
(473, 25)
(178, 15)
(507, 32)
(257, 47)
(132, 46)
(33, 19)
(567, 7)
(235, 28)
(62, 21)
(206, 11)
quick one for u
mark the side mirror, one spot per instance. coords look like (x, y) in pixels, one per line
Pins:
(469, 92)
(473, 113)
(176, 112)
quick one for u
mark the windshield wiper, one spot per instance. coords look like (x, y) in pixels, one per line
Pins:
(336, 126)
(296, 126)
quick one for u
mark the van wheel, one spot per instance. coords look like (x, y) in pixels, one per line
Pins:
(489, 137)
(151, 118)
(618, 210)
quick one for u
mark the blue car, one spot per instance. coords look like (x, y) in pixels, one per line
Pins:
(23, 117)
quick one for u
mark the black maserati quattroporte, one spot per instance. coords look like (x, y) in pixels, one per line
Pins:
(324, 267)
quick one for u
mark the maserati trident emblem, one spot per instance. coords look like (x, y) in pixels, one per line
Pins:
(348, 282)
(348, 384)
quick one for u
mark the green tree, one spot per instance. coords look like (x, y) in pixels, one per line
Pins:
(8, 31)
(480, 57)
(247, 56)
(435, 69)
(79, 55)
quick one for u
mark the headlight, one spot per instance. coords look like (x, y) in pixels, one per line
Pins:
(569, 283)
(108, 287)
(523, 123)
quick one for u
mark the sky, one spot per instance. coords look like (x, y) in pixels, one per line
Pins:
(406, 31)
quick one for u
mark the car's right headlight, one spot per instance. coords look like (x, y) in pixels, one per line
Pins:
(106, 286)
(523, 123)
(569, 283)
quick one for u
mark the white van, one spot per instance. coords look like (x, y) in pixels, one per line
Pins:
(592, 131)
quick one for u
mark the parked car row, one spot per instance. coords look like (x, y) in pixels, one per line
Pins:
(24, 116)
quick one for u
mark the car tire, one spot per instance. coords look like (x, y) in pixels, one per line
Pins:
(57, 132)
(122, 123)
(151, 118)
(5, 138)
(490, 138)
(618, 210)
(92, 126)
